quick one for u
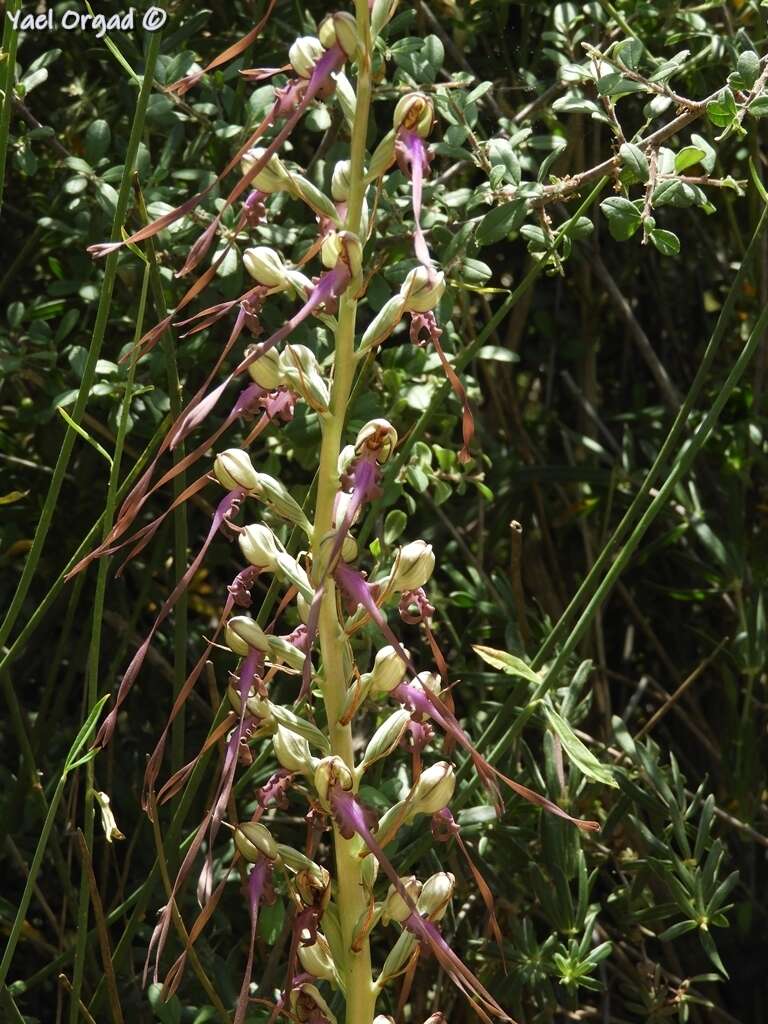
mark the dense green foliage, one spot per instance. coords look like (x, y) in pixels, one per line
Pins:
(574, 384)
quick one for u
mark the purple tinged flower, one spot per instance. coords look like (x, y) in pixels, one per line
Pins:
(294, 102)
(413, 160)
(352, 818)
(329, 286)
(258, 884)
(226, 508)
(413, 118)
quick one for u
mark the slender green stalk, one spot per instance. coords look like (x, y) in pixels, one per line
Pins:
(70, 764)
(29, 780)
(92, 679)
(678, 470)
(10, 42)
(9, 1007)
(352, 902)
(10, 654)
(635, 510)
(171, 846)
(94, 350)
(180, 531)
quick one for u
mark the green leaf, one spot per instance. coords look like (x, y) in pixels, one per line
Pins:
(687, 157)
(500, 221)
(759, 107)
(617, 85)
(748, 68)
(669, 67)
(84, 433)
(271, 920)
(722, 110)
(578, 753)
(509, 663)
(673, 193)
(501, 153)
(84, 735)
(666, 242)
(167, 1012)
(708, 944)
(710, 153)
(473, 272)
(394, 525)
(624, 217)
(630, 53)
(97, 140)
(635, 160)
(681, 928)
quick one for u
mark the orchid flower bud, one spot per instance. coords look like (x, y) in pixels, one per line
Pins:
(288, 568)
(349, 547)
(381, 1019)
(388, 670)
(381, 12)
(382, 157)
(341, 180)
(394, 907)
(434, 790)
(437, 1018)
(422, 289)
(256, 706)
(313, 885)
(397, 958)
(345, 94)
(429, 681)
(243, 634)
(255, 841)
(301, 372)
(283, 650)
(277, 497)
(377, 436)
(265, 266)
(314, 198)
(304, 53)
(266, 371)
(386, 738)
(330, 250)
(415, 112)
(298, 861)
(273, 177)
(292, 751)
(347, 456)
(340, 29)
(318, 960)
(413, 567)
(436, 895)
(351, 252)
(260, 546)
(108, 823)
(233, 468)
(303, 607)
(332, 771)
(385, 321)
(309, 1006)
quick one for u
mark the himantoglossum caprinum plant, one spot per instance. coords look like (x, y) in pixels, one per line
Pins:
(338, 901)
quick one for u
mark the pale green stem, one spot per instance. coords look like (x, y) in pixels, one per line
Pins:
(94, 655)
(350, 895)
